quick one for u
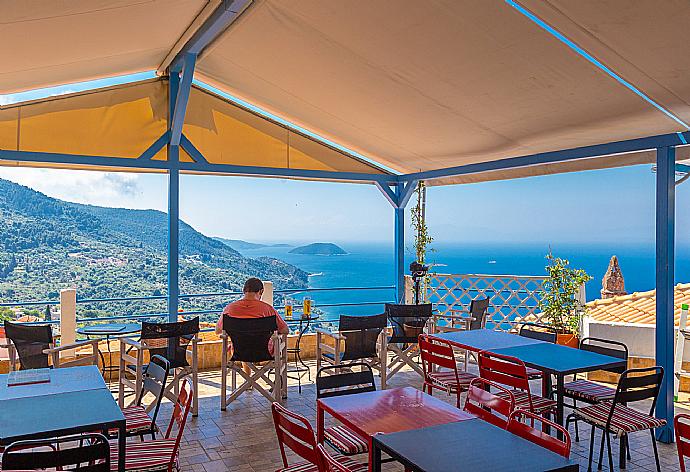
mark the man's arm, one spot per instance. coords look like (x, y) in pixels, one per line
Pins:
(219, 325)
(282, 325)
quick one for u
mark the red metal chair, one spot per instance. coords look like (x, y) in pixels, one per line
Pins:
(681, 423)
(330, 464)
(483, 404)
(527, 431)
(159, 454)
(437, 353)
(295, 432)
(510, 371)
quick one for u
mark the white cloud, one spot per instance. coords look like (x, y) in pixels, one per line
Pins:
(96, 188)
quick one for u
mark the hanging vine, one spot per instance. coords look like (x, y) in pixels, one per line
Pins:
(422, 239)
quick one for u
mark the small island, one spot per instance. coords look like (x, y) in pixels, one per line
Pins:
(319, 249)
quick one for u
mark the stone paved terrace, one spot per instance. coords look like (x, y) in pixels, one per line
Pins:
(243, 438)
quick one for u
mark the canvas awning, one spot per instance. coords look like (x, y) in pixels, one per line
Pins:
(415, 86)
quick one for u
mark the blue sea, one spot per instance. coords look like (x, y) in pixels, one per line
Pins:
(371, 264)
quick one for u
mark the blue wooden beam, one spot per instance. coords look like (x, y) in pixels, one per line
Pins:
(388, 193)
(155, 147)
(222, 17)
(665, 250)
(173, 210)
(181, 99)
(683, 168)
(399, 247)
(406, 192)
(631, 145)
(192, 150)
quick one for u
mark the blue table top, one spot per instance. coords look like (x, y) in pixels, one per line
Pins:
(485, 339)
(109, 329)
(540, 355)
(470, 445)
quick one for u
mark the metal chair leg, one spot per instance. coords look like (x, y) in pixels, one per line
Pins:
(591, 450)
(608, 446)
(656, 453)
(601, 449)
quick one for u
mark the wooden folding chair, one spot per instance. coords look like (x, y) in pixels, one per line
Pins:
(407, 323)
(33, 347)
(358, 339)
(170, 341)
(249, 339)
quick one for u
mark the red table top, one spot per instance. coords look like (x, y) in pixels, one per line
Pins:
(389, 411)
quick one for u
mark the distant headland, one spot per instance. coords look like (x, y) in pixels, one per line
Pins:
(320, 249)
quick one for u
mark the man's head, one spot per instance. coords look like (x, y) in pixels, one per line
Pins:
(253, 287)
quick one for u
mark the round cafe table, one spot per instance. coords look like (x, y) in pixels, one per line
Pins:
(107, 331)
(304, 322)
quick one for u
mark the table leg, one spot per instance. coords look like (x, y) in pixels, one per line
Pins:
(319, 424)
(121, 447)
(560, 390)
(374, 457)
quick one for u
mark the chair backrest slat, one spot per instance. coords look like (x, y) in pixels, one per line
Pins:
(529, 432)
(407, 321)
(295, 432)
(30, 341)
(250, 337)
(344, 383)
(488, 406)
(88, 452)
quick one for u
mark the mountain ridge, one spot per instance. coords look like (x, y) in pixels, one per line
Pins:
(47, 244)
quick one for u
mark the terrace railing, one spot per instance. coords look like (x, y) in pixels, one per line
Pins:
(69, 303)
(512, 297)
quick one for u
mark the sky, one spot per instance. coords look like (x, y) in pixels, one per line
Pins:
(609, 207)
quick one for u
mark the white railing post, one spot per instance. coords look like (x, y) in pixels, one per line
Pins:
(68, 316)
(267, 297)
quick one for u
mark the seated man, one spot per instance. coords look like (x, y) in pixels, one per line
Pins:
(251, 306)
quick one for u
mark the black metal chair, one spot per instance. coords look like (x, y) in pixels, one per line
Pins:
(538, 331)
(33, 347)
(84, 452)
(461, 320)
(139, 423)
(338, 383)
(171, 341)
(407, 323)
(588, 391)
(251, 341)
(479, 309)
(618, 418)
(358, 339)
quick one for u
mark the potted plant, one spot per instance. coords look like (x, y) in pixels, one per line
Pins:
(560, 305)
(422, 240)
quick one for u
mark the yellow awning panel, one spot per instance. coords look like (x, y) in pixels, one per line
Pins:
(121, 121)
(125, 120)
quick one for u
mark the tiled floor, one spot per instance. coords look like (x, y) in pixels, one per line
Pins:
(243, 439)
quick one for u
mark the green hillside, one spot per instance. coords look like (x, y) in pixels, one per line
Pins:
(48, 244)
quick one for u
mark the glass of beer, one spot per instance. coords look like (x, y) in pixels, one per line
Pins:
(306, 307)
(288, 309)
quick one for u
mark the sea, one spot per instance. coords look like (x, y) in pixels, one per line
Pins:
(371, 265)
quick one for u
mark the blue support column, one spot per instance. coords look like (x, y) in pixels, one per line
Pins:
(399, 246)
(173, 210)
(665, 260)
